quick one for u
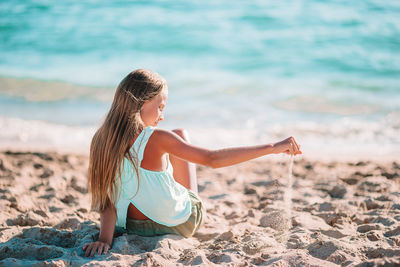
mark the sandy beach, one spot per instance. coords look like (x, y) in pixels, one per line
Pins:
(335, 213)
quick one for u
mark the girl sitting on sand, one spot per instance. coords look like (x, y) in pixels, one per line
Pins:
(142, 178)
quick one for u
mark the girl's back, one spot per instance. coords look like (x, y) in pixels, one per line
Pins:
(152, 160)
(152, 192)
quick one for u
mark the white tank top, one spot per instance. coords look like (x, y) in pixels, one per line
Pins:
(160, 197)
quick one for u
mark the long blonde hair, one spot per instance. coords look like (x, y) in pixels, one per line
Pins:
(110, 144)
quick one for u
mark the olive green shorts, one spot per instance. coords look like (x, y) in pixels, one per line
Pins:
(186, 229)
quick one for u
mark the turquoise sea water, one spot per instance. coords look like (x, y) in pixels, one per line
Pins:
(259, 70)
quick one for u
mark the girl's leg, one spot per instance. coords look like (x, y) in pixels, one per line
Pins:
(184, 171)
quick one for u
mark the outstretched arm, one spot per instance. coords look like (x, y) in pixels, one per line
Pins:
(107, 226)
(175, 145)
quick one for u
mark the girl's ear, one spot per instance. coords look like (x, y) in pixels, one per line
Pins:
(138, 118)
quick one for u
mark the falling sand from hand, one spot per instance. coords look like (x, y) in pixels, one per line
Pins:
(289, 193)
(281, 220)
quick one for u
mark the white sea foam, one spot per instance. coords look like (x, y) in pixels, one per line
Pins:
(341, 139)
(18, 134)
(345, 138)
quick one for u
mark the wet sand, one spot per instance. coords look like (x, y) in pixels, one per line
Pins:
(343, 213)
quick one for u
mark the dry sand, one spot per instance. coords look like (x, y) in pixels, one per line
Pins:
(345, 213)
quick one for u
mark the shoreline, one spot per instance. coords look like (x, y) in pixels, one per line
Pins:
(271, 157)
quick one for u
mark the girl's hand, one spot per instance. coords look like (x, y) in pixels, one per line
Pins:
(98, 246)
(288, 146)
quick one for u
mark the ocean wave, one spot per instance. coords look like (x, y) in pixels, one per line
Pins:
(35, 90)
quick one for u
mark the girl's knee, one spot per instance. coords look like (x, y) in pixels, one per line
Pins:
(182, 133)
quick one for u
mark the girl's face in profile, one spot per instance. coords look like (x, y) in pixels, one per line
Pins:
(152, 110)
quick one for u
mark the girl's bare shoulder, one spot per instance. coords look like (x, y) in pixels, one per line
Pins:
(161, 135)
(165, 138)
(159, 140)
